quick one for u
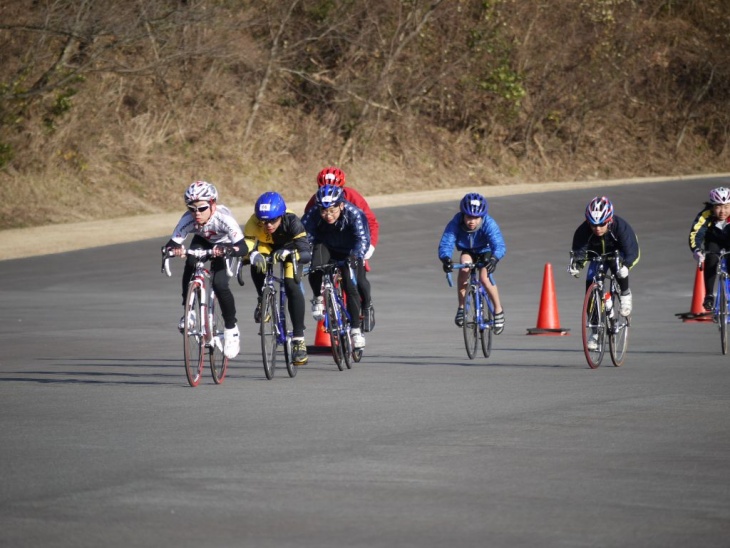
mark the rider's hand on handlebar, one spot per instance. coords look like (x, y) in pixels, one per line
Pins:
(491, 264)
(447, 265)
(699, 256)
(258, 262)
(280, 255)
(573, 269)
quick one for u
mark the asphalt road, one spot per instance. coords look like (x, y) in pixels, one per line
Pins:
(104, 444)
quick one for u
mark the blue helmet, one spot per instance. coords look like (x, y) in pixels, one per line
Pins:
(329, 195)
(269, 206)
(474, 205)
(599, 211)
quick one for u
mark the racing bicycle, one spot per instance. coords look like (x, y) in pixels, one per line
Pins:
(204, 326)
(720, 313)
(601, 320)
(478, 310)
(336, 318)
(274, 332)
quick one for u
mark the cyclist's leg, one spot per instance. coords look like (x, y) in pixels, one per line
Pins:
(493, 292)
(710, 270)
(223, 292)
(197, 242)
(295, 303)
(353, 297)
(366, 302)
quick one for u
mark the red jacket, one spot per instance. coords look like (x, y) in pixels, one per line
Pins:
(356, 199)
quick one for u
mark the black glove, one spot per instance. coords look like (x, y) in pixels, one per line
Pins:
(448, 266)
(491, 264)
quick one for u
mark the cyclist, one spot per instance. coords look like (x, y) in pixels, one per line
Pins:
(338, 231)
(335, 176)
(272, 229)
(711, 232)
(212, 226)
(478, 237)
(604, 232)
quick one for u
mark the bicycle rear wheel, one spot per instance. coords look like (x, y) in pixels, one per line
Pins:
(618, 340)
(330, 304)
(488, 319)
(347, 348)
(268, 333)
(471, 327)
(593, 325)
(193, 335)
(218, 360)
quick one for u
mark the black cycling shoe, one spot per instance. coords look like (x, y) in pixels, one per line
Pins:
(499, 323)
(459, 319)
(709, 302)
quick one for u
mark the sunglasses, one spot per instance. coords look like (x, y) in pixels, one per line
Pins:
(271, 221)
(198, 209)
(601, 225)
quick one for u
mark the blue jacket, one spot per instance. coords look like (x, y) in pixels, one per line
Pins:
(486, 238)
(348, 235)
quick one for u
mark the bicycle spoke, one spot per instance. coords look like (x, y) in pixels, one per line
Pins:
(218, 361)
(593, 328)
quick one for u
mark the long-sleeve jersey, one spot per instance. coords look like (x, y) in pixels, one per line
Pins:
(706, 227)
(356, 199)
(487, 238)
(348, 235)
(221, 228)
(619, 237)
(290, 234)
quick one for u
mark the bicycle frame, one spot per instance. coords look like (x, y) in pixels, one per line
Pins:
(483, 309)
(204, 331)
(274, 285)
(599, 319)
(337, 320)
(720, 312)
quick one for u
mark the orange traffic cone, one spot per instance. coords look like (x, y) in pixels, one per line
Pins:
(698, 312)
(548, 318)
(322, 341)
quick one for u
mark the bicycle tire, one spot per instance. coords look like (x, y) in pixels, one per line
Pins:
(618, 341)
(488, 319)
(193, 344)
(357, 354)
(218, 360)
(290, 367)
(268, 333)
(470, 327)
(239, 273)
(593, 320)
(346, 339)
(330, 304)
(722, 317)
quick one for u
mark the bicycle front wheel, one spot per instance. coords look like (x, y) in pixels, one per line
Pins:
(218, 360)
(193, 335)
(619, 335)
(594, 329)
(330, 304)
(285, 335)
(722, 316)
(471, 326)
(487, 319)
(268, 333)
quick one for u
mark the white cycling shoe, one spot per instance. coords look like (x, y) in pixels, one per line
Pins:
(358, 339)
(626, 304)
(231, 343)
(318, 308)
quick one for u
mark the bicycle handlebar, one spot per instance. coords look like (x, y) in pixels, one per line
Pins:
(461, 266)
(200, 254)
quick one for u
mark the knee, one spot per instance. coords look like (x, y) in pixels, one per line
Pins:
(623, 272)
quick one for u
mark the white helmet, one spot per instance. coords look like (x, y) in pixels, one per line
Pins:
(720, 195)
(200, 191)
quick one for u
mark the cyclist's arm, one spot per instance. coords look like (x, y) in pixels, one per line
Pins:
(357, 199)
(698, 230)
(448, 240)
(628, 242)
(496, 240)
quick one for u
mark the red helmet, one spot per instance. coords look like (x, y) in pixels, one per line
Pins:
(331, 176)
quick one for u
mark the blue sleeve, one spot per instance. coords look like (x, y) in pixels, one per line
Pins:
(361, 231)
(496, 241)
(448, 239)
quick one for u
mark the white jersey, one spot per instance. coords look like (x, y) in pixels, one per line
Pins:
(221, 228)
